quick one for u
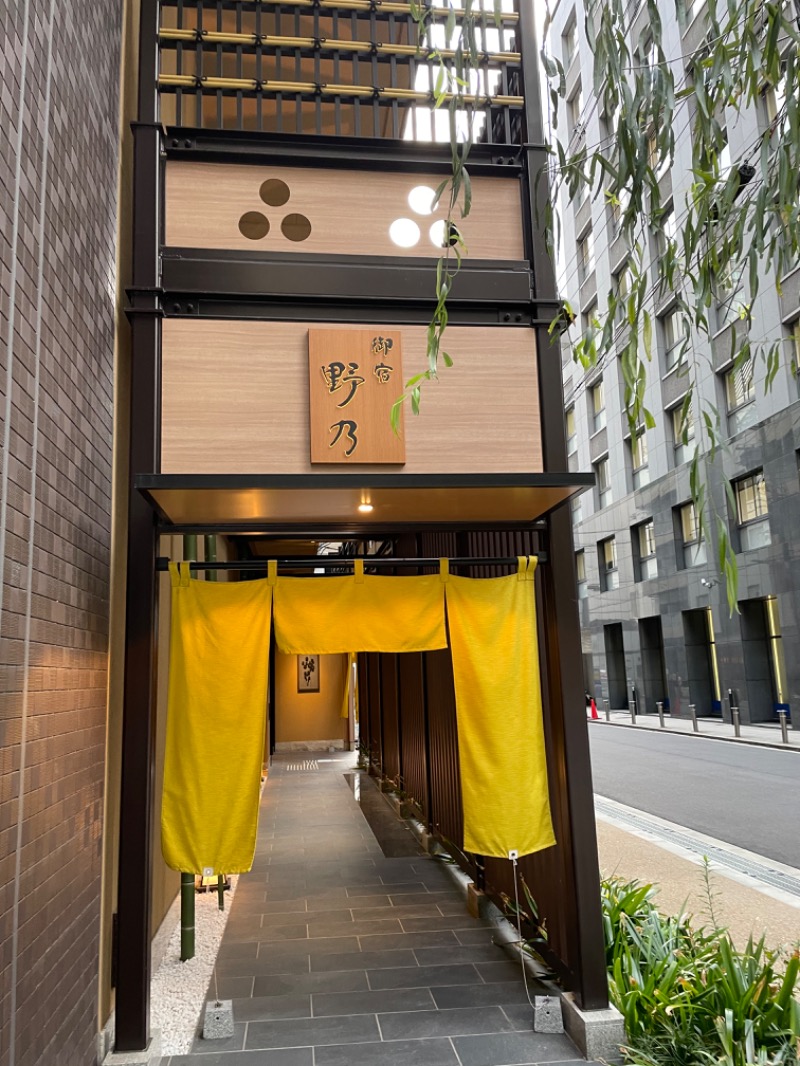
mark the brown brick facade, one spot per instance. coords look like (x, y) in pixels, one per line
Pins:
(59, 73)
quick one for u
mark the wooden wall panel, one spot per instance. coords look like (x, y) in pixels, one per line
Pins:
(350, 211)
(235, 400)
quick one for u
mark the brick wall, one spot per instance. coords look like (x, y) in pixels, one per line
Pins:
(59, 68)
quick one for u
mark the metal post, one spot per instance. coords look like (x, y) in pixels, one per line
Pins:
(693, 713)
(782, 718)
(608, 710)
(632, 709)
(187, 879)
(660, 709)
(737, 730)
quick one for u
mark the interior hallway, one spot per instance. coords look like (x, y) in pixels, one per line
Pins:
(338, 954)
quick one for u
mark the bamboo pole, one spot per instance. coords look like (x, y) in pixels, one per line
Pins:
(210, 552)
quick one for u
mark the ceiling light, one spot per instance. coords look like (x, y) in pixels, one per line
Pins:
(365, 508)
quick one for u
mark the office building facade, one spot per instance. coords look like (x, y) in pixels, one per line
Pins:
(655, 620)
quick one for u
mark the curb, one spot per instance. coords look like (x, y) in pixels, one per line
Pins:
(699, 736)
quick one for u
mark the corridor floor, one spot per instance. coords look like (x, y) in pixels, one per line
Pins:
(337, 955)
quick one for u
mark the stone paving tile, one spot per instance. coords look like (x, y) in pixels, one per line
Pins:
(515, 1049)
(390, 1002)
(455, 1022)
(285, 984)
(347, 1029)
(283, 1057)
(393, 1053)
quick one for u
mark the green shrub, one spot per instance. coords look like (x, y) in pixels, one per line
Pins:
(688, 997)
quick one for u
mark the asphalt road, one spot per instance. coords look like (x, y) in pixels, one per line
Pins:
(738, 793)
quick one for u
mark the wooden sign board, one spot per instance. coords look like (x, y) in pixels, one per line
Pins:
(355, 376)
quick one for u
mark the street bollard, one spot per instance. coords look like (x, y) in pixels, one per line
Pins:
(693, 713)
(632, 709)
(782, 718)
(607, 706)
(660, 709)
(737, 731)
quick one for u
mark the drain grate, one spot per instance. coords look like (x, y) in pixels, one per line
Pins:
(752, 867)
(304, 766)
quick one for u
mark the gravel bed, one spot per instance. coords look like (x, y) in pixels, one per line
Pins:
(178, 989)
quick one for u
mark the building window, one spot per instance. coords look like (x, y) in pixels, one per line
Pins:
(659, 165)
(682, 433)
(585, 256)
(693, 542)
(728, 293)
(572, 435)
(575, 109)
(668, 231)
(673, 337)
(641, 473)
(576, 509)
(740, 397)
(580, 567)
(644, 539)
(622, 290)
(618, 205)
(607, 554)
(774, 104)
(569, 41)
(603, 476)
(795, 342)
(597, 399)
(752, 513)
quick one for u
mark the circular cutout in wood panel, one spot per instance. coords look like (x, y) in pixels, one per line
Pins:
(436, 234)
(404, 232)
(274, 192)
(296, 227)
(421, 198)
(254, 225)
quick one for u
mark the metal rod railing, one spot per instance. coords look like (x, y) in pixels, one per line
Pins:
(337, 562)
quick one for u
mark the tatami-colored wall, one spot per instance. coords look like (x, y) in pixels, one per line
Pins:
(306, 718)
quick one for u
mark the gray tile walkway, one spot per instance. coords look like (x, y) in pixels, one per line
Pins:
(337, 954)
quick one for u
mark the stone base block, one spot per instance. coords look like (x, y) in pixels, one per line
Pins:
(151, 1056)
(476, 901)
(547, 1015)
(598, 1034)
(218, 1021)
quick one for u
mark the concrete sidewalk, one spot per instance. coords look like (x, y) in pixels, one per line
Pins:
(767, 735)
(747, 894)
(347, 946)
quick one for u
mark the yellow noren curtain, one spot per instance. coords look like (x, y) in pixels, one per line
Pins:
(219, 657)
(493, 638)
(333, 615)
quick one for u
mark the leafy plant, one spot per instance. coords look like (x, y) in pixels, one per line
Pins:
(687, 995)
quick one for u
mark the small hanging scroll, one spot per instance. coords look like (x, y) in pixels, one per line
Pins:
(355, 376)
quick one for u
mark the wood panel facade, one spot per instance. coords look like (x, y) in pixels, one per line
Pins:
(235, 400)
(349, 212)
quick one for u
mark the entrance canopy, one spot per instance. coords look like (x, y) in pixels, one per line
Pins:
(346, 502)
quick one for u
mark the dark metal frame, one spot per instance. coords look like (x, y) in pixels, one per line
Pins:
(535, 306)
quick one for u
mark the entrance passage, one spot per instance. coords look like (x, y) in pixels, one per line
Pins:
(345, 956)
(651, 641)
(700, 662)
(615, 666)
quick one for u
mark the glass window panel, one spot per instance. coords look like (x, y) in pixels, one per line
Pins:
(690, 527)
(586, 255)
(639, 451)
(647, 540)
(739, 386)
(609, 554)
(580, 565)
(751, 498)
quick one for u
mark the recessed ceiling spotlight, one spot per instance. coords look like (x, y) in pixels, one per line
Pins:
(365, 508)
